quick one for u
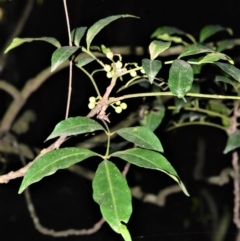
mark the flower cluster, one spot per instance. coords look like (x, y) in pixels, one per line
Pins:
(92, 102)
(119, 106)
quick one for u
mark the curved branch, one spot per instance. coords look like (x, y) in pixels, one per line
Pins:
(30, 86)
(19, 26)
(10, 89)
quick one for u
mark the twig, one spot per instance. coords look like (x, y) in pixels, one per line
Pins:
(30, 86)
(10, 89)
(236, 190)
(35, 218)
(13, 175)
(19, 26)
(102, 105)
(70, 63)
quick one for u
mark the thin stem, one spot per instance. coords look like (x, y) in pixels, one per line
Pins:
(97, 70)
(68, 23)
(223, 97)
(93, 56)
(70, 63)
(69, 89)
(92, 80)
(108, 132)
(197, 109)
(128, 71)
(236, 190)
(10, 89)
(195, 123)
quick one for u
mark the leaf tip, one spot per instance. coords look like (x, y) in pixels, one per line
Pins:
(21, 189)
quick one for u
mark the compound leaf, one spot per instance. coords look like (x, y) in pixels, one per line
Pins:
(153, 118)
(142, 137)
(99, 25)
(84, 60)
(77, 35)
(151, 68)
(75, 126)
(210, 30)
(180, 78)
(156, 47)
(195, 49)
(229, 69)
(52, 161)
(167, 30)
(233, 142)
(62, 54)
(18, 41)
(213, 57)
(152, 160)
(111, 192)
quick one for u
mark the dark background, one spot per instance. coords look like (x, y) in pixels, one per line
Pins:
(64, 200)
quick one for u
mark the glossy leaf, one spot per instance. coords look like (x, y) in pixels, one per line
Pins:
(99, 25)
(52, 161)
(167, 30)
(84, 60)
(142, 137)
(213, 57)
(180, 78)
(156, 47)
(210, 30)
(152, 160)
(153, 118)
(229, 69)
(61, 55)
(77, 35)
(111, 192)
(233, 142)
(195, 49)
(151, 68)
(75, 126)
(18, 41)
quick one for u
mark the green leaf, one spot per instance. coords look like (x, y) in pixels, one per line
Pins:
(156, 47)
(18, 41)
(167, 30)
(210, 30)
(167, 37)
(233, 142)
(142, 137)
(180, 78)
(152, 160)
(62, 54)
(151, 68)
(52, 161)
(226, 44)
(218, 106)
(111, 192)
(125, 233)
(213, 57)
(75, 126)
(77, 34)
(229, 69)
(99, 25)
(224, 79)
(153, 118)
(105, 50)
(84, 60)
(195, 49)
